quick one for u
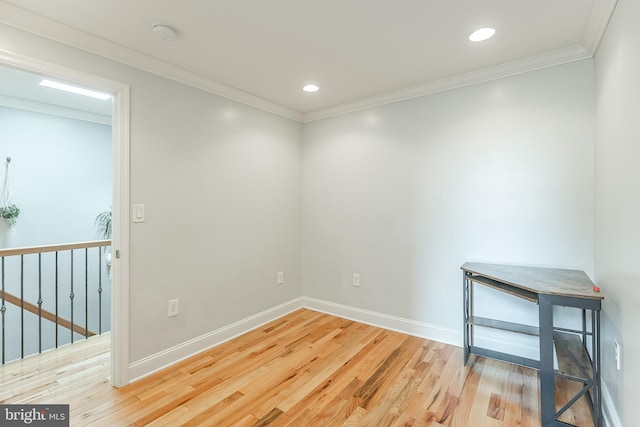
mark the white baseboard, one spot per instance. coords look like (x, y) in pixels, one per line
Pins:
(170, 356)
(510, 343)
(156, 362)
(611, 418)
(150, 364)
(398, 324)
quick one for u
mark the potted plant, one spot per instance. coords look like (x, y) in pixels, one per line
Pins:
(103, 225)
(10, 213)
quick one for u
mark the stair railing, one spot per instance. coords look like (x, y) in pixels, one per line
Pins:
(49, 305)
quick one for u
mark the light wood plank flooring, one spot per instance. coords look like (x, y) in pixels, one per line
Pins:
(305, 369)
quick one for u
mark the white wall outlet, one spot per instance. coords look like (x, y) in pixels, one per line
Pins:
(616, 354)
(280, 277)
(174, 307)
(356, 279)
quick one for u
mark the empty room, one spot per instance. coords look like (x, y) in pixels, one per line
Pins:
(331, 213)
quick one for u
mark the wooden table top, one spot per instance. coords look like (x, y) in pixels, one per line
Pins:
(547, 281)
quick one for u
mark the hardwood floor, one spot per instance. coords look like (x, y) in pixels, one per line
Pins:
(51, 376)
(305, 369)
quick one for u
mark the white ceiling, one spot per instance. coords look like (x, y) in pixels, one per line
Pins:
(263, 52)
(21, 89)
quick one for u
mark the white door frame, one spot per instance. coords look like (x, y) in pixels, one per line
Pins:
(120, 197)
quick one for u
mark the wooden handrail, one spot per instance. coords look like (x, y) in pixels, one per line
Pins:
(53, 248)
(32, 308)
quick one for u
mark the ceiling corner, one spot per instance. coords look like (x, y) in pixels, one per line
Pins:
(597, 25)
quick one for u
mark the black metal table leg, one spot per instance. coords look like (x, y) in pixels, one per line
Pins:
(547, 379)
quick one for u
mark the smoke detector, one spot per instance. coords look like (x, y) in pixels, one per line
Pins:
(164, 32)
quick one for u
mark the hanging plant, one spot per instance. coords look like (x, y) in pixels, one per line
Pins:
(10, 213)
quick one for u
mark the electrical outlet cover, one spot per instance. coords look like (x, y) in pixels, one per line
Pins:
(173, 309)
(356, 279)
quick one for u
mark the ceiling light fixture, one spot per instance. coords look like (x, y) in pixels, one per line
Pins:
(164, 32)
(74, 89)
(310, 88)
(482, 34)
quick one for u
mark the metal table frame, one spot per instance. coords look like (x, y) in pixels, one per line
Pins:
(548, 335)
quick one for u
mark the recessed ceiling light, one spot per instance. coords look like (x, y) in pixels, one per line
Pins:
(165, 32)
(482, 34)
(74, 89)
(310, 88)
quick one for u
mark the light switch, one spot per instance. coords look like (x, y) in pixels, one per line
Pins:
(138, 213)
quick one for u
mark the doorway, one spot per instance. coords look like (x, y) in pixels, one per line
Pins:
(120, 196)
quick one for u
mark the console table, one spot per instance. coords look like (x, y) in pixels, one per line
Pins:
(577, 350)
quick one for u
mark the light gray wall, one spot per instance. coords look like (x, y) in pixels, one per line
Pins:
(402, 194)
(61, 176)
(617, 206)
(221, 185)
(61, 179)
(405, 193)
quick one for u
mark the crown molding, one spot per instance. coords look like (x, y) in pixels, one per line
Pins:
(599, 18)
(21, 19)
(54, 110)
(550, 59)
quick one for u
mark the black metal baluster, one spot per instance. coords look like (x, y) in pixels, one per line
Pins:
(595, 319)
(3, 309)
(71, 297)
(86, 293)
(40, 302)
(56, 268)
(100, 291)
(22, 306)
